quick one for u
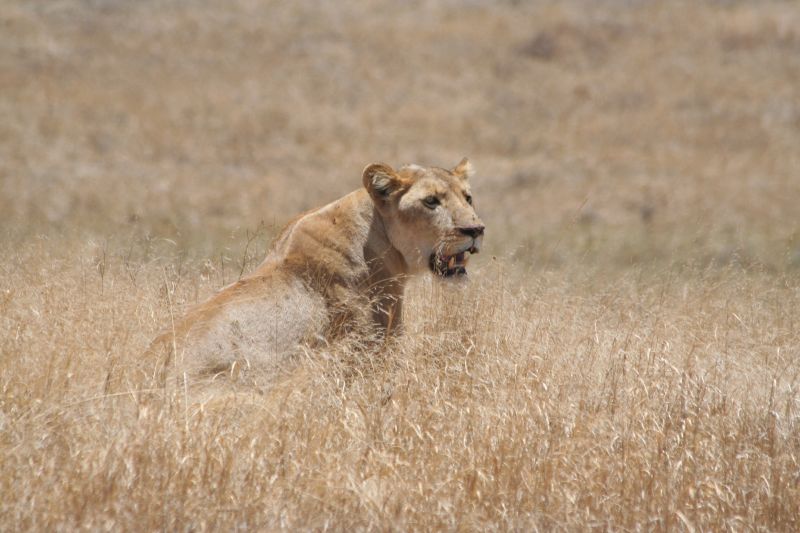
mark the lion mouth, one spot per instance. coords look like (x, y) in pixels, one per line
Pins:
(451, 265)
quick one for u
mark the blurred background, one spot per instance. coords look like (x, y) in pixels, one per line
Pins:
(609, 133)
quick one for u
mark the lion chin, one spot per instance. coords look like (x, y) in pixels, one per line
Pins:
(331, 272)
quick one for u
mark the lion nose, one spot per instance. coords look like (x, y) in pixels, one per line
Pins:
(472, 231)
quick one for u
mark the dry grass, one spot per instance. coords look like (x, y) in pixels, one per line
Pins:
(635, 402)
(630, 361)
(674, 124)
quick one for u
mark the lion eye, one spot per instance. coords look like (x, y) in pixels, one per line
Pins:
(468, 197)
(431, 202)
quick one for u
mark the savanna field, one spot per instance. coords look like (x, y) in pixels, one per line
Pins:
(625, 357)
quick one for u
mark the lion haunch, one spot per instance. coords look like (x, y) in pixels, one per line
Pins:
(338, 268)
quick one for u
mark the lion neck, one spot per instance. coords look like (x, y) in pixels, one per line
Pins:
(388, 273)
(379, 252)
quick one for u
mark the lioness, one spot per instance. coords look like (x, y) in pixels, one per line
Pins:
(335, 269)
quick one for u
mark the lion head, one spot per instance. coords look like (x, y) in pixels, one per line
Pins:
(428, 215)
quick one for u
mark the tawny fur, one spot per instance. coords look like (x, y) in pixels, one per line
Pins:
(336, 269)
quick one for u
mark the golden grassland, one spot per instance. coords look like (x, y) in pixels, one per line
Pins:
(652, 402)
(626, 355)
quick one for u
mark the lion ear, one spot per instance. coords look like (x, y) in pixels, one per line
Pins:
(380, 180)
(464, 169)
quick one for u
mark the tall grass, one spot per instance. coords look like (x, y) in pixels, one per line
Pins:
(628, 361)
(520, 401)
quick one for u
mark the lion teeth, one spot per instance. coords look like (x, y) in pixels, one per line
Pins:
(454, 262)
